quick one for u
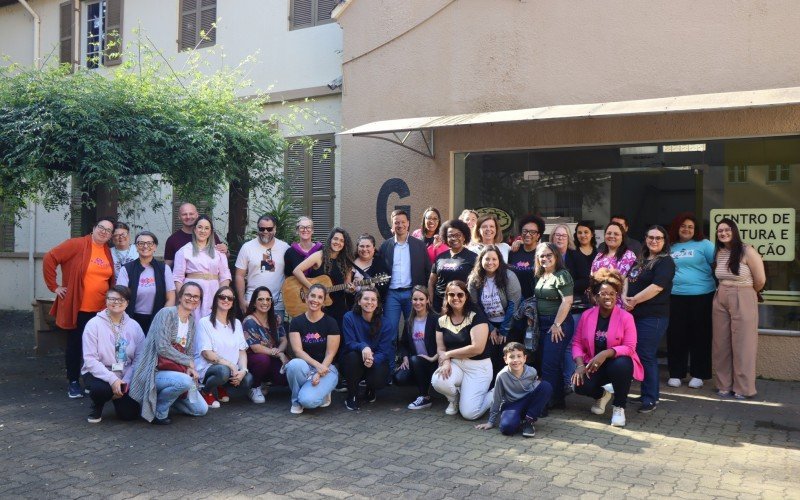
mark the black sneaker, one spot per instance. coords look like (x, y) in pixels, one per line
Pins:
(341, 386)
(161, 421)
(647, 408)
(528, 430)
(369, 396)
(74, 390)
(351, 404)
(96, 415)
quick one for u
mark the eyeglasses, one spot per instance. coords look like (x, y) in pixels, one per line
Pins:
(264, 299)
(531, 232)
(269, 229)
(547, 256)
(305, 228)
(687, 226)
(120, 235)
(453, 295)
(724, 230)
(104, 230)
(454, 236)
(607, 294)
(225, 298)
(189, 296)
(559, 235)
(655, 238)
(432, 218)
(115, 300)
(145, 244)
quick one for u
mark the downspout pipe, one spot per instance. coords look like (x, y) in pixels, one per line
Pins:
(37, 28)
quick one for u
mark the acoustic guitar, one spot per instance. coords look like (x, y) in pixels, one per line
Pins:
(294, 293)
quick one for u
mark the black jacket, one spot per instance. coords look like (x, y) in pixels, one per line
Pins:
(135, 270)
(420, 263)
(406, 344)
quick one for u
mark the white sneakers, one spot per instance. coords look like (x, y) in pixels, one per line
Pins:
(452, 408)
(695, 383)
(256, 396)
(618, 417)
(296, 409)
(674, 382)
(599, 406)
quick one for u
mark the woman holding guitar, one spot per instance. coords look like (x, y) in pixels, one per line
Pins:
(335, 261)
(366, 266)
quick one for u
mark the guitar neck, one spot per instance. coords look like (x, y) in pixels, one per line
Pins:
(368, 281)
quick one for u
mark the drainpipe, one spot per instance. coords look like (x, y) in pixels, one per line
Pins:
(37, 26)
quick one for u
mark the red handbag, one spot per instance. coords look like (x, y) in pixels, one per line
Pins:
(167, 365)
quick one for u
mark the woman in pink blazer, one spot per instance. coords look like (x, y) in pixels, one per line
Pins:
(604, 348)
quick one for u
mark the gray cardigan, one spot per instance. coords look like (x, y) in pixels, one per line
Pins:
(163, 332)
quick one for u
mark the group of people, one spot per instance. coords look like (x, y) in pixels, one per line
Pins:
(506, 325)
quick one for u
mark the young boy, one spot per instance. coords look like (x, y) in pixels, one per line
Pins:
(518, 396)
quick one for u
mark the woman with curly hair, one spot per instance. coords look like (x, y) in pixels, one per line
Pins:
(335, 260)
(496, 291)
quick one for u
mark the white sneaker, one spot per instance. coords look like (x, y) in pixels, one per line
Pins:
(256, 396)
(696, 383)
(326, 402)
(452, 408)
(675, 382)
(618, 417)
(296, 409)
(599, 406)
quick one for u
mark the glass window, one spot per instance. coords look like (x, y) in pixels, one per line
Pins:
(778, 173)
(95, 33)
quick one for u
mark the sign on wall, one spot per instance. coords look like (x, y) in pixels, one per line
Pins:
(770, 230)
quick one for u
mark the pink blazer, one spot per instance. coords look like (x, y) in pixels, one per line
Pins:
(621, 337)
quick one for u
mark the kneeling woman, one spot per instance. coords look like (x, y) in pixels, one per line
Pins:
(604, 348)
(112, 342)
(314, 337)
(165, 370)
(267, 343)
(465, 370)
(368, 347)
(418, 349)
(222, 351)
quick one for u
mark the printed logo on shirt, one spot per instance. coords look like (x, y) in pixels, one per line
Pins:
(600, 335)
(420, 335)
(267, 264)
(684, 253)
(521, 265)
(147, 282)
(450, 265)
(99, 262)
(313, 338)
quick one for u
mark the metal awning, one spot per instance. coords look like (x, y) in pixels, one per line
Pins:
(399, 131)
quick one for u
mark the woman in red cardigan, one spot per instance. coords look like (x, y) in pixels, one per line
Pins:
(604, 348)
(87, 272)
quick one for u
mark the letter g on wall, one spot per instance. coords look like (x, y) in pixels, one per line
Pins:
(390, 187)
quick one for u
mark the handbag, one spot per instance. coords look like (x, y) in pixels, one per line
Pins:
(167, 365)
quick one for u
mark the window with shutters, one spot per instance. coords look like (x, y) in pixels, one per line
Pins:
(310, 176)
(102, 26)
(308, 13)
(6, 230)
(197, 29)
(65, 53)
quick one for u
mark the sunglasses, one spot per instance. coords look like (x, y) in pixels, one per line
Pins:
(225, 298)
(262, 229)
(453, 295)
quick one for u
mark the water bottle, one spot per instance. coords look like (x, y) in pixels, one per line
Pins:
(529, 338)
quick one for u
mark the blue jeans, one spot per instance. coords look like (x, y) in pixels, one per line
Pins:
(648, 336)
(218, 376)
(397, 302)
(529, 406)
(169, 386)
(553, 353)
(299, 374)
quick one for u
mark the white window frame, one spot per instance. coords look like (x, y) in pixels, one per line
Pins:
(85, 54)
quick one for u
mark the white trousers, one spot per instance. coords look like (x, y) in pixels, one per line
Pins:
(469, 383)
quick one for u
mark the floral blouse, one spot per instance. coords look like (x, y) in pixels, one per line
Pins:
(255, 333)
(622, 265)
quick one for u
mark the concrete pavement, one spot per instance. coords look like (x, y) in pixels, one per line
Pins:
(693, 446)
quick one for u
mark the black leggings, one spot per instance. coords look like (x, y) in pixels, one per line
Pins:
(73, 354)
(419, 373)
(354, 370)
(618, 371)
(101, 393)
(689, 336)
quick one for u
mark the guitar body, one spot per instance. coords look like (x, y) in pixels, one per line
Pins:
(294, 294)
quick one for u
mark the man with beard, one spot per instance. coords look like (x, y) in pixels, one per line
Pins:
(261, 262)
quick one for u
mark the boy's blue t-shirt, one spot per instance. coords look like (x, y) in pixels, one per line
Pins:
(693, 272)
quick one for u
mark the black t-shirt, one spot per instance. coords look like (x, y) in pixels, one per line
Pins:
(314, 336)
(522, 262)
(448, 268)
(457, 336)
(600, 334)
(661, 274)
